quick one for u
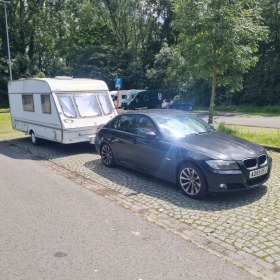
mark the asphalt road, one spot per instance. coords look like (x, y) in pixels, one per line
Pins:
(52, 228)
(268, 121)
(244, 119)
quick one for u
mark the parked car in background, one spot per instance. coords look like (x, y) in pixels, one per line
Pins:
(180, 104)
(122, 96)
(182, 148)
(142, 99)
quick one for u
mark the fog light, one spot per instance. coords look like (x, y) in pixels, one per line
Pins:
(223, 186)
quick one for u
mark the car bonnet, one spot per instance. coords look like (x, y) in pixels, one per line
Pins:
(219, 145)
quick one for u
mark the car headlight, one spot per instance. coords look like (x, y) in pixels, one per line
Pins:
(223, 164)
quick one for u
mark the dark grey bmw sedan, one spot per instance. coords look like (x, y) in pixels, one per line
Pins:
(182, 148)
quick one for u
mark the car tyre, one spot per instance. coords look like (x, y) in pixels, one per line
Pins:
(107, 156)
(35, 141)
(192, 181)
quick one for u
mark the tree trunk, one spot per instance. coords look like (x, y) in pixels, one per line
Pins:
(213, 96)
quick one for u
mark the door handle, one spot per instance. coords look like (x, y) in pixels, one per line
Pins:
(135, 141)
(115, 140)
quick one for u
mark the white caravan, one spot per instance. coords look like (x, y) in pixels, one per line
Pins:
(60, 109)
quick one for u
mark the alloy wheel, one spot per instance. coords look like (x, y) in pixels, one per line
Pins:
(190, 181)
(107, 155)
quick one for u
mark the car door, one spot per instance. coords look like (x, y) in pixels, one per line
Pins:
(150, 155)
(121, 139)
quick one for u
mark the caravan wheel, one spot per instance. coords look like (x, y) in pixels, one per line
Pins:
(35, 141)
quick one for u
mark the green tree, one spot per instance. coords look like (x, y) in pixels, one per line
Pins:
(86, 44)
(32, 28)
(139, 28)
(219, 38)
(169, 71)
(262, 84)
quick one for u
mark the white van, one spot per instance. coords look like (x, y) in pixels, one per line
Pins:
(122, 96)
(61, 109)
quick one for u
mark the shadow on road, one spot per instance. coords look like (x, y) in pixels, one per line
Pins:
(135, 182)
(48, 150)
(139, 183)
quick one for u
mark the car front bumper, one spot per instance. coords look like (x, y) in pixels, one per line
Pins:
(234, 180)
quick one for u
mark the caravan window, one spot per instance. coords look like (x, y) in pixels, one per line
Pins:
(67, 106)
(28, 103)
(106, 104)
(46, 104)
(87, 105)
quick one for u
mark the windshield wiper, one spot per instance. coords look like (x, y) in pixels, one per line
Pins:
(198, 133)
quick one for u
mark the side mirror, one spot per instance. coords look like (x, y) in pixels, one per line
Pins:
(151, 135)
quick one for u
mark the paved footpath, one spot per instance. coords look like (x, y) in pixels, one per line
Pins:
(242, 228)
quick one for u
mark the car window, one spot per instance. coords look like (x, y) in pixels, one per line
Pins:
(144, 125)
(124, 123)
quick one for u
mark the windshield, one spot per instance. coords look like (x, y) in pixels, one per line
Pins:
(178, 126)
(132, 95)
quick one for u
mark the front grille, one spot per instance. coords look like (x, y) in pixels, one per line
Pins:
(262, 159)
(251, 163)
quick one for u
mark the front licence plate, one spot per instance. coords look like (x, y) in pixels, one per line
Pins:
(258, 172)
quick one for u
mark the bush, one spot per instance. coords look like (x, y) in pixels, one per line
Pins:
(4, 101)
(223, 128)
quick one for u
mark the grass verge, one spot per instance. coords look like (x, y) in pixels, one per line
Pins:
(5, 123)
(259, 135)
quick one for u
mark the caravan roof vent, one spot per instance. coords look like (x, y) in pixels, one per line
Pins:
(63, 78)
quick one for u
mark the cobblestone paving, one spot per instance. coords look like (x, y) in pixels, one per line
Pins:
(243, 227)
